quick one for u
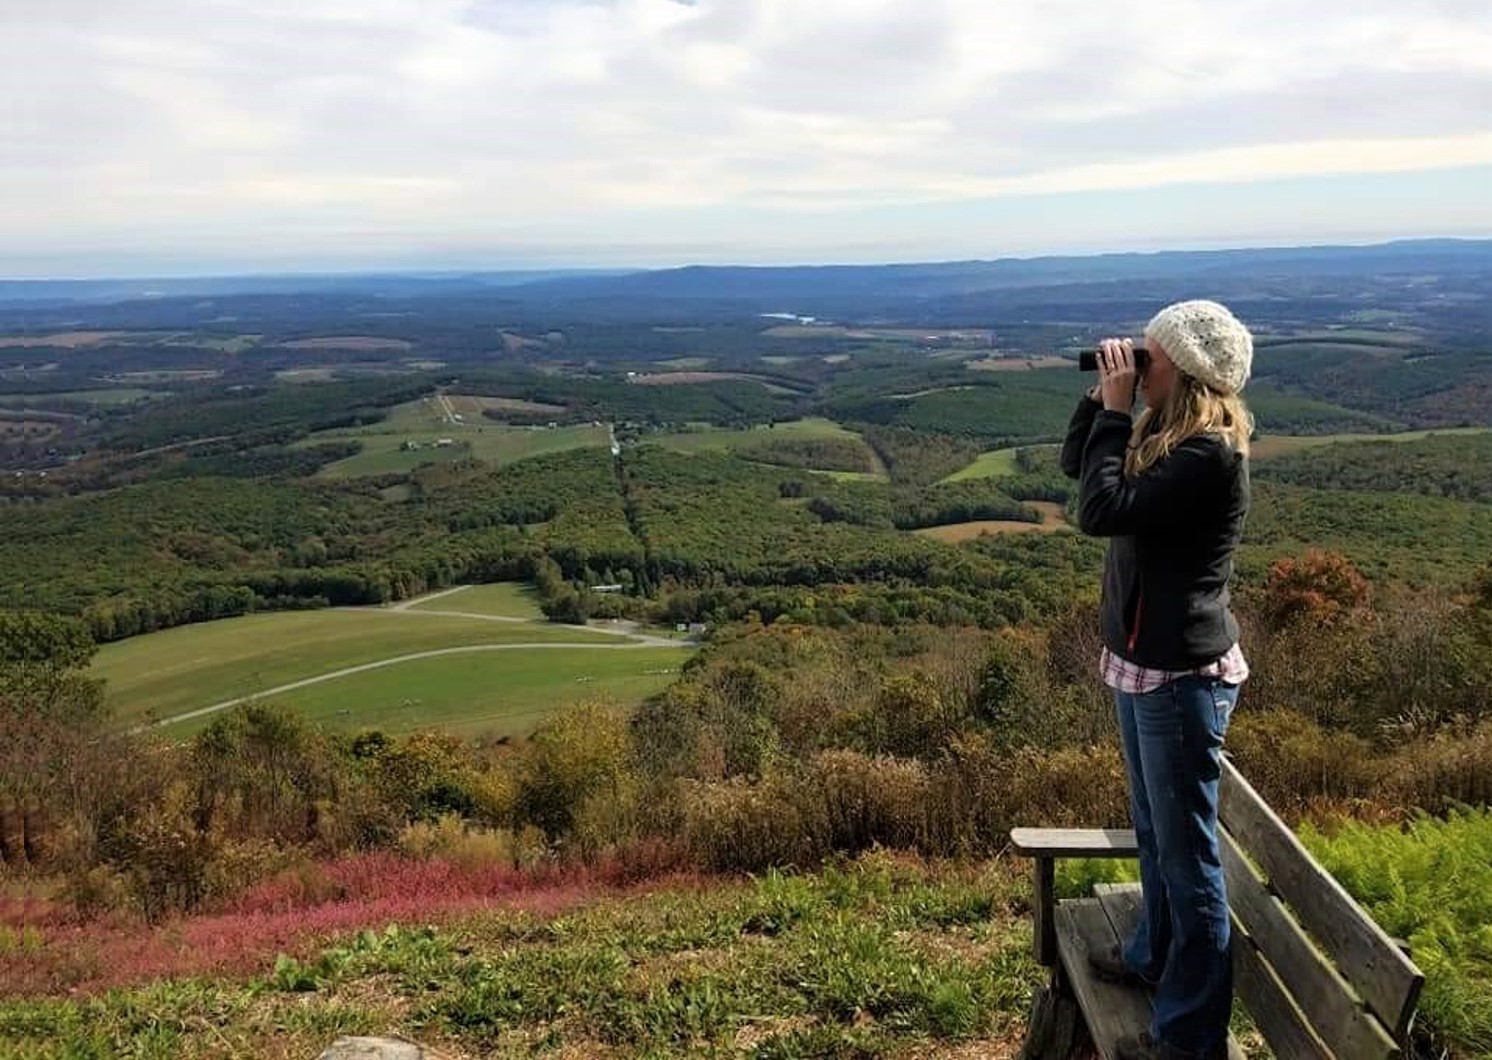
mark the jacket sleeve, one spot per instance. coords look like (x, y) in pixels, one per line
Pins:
(1111, 505)
(1077, 436)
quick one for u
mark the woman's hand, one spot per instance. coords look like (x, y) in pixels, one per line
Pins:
(1117, 378)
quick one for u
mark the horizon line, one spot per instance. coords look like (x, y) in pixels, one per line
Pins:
(436, 271)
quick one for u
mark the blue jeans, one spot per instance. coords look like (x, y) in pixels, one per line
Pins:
(1173, 740)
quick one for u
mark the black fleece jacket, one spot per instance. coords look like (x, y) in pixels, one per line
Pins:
(1173, 529)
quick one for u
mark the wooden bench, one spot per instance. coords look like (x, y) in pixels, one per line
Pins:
(1318, 976)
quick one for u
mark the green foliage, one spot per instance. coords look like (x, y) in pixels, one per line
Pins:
(1390, 537)
(1279, 411)
(919, 457)
(581, 755)
(1430, 883)
(34, 640)
(827, 454)
(1015, 407)
(263, 411)
(1452, 466)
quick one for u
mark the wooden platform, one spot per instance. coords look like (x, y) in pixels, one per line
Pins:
(1097, 924)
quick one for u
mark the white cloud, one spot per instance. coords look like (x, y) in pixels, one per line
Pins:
(370, 125)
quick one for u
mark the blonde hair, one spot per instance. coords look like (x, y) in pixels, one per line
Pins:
(1191, 408)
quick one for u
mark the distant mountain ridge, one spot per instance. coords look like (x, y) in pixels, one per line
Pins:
(767, 284)
(944, 279)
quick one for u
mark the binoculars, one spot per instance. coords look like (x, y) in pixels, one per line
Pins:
(1088, 359)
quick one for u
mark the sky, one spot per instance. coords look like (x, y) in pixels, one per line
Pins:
(162, 137)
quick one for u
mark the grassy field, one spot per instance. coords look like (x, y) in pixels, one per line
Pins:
(706, 439)
(425, 421)
(997, 463)
(1051, 520)
(504, 599)
(181, 669)
(1271, 445)
(501, 693)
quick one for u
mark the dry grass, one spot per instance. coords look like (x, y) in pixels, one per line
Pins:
(1051, 521)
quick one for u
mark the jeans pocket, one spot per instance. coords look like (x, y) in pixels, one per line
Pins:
(1224, 699)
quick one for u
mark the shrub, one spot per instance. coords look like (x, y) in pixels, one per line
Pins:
(452, 838)
(1452, 766)
(1431, 883)
(870, 801)
(740, 825)
(1320, 588)
(581, 753)
(1292, 760)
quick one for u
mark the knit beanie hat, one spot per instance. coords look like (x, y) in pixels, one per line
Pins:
(1206, 342)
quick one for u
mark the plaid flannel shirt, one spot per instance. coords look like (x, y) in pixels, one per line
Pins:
(1124, 676)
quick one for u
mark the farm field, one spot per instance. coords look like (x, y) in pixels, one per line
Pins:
(1272, 445)
(996, 463)
(953, 533)
(472, 407)
(178, 670)
(502, 599)
(704, 439)
(710, 439)
(492, 692)
(425, 421)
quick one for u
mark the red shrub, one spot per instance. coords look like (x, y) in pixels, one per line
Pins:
(297, 912)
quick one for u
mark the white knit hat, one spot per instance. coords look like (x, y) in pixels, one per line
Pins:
(1205, 341)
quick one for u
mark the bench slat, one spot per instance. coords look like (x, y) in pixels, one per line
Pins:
(1074, 842)
(1364, 954)
(1123, 903)
(1110, 1010)
(1324, 996)
(1276, 1016)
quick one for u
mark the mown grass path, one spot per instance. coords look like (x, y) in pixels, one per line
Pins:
(418, 663)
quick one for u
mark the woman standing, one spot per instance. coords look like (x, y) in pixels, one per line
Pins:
(1171, 490)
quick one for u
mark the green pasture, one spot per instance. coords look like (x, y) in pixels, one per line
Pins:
(997, 463)
(704, 439)
(502, 693)
(1272, 445)
(178, 670)
(423, 423)
(504, 599)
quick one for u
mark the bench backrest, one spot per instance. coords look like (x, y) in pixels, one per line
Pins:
(1320, 978)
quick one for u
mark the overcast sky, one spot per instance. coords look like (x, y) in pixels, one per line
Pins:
(188, 136)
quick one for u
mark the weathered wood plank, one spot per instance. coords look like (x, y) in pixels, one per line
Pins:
(1368, 959)
(1328, 1002)
(1074, 842)
(1123, 904)
(1284, 1028)
(1043, 899)
(1110, 1010)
